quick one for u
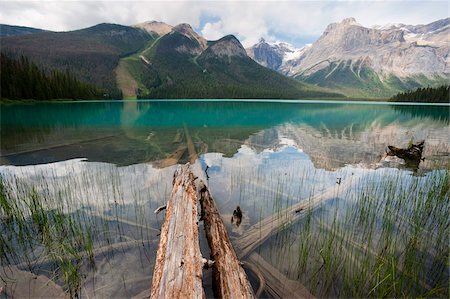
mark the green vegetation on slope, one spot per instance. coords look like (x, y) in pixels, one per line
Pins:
(21, 79)
(357, 80)
(174, 71)
(90, 54)
(427, 95)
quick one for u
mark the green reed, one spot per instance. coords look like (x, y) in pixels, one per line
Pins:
(51, 221)
(388, 239)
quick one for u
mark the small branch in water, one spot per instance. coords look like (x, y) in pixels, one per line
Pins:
(159, 209)
(206, 172)
(299, 210)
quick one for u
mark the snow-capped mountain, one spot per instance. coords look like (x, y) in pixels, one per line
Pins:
(360, 61)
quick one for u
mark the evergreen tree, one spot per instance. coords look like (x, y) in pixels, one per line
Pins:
(21, 79)
(427, 95)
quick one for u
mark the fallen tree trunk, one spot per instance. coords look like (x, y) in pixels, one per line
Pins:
(178, 267)
(229, 278)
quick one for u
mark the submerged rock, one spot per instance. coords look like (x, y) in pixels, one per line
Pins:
(25, 284)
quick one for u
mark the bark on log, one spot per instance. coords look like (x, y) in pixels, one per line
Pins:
(229, 278)
(178, 267)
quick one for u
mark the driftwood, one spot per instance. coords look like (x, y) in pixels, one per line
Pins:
(178, 267)
(229, 278)
(412, 155)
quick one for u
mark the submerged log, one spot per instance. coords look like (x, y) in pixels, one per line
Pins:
(190, 146)
(277, 284)
(178, 267)
(263, 230)
(229, 278)
(173, 158)
(412, 154)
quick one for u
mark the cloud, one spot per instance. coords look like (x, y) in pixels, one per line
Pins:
(213, 31)
(249, 20)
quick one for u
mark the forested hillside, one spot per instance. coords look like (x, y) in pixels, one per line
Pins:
(90, 54)
(8, 30)
(428, 95)
(21, 79)
(179, 67)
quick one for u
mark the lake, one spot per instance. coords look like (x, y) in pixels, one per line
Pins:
(80, 182)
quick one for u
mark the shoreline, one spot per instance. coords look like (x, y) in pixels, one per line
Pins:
(371, 101)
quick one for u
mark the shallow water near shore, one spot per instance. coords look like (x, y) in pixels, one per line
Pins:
(347, 221)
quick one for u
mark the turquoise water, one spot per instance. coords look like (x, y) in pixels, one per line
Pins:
(112, 131)
(111, 164)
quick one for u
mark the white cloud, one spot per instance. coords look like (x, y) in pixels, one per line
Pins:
(213, 31)
(248, 20)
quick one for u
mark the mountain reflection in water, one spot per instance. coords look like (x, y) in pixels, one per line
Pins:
(125, 133)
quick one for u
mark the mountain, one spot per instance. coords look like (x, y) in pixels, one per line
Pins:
(9, 30)
(182, 64)
(374, 62)
(155, 60)
(155, 27)
(91, 54)
(274, 55)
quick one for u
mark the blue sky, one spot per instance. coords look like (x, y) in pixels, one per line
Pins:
(297, 22)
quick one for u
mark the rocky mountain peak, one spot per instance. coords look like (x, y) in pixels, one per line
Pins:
(184, 28)
(344, 24)
(349, 21)
(226, 47)
(273, 55)
(349, 36)
(159, 28)
(187, 31)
